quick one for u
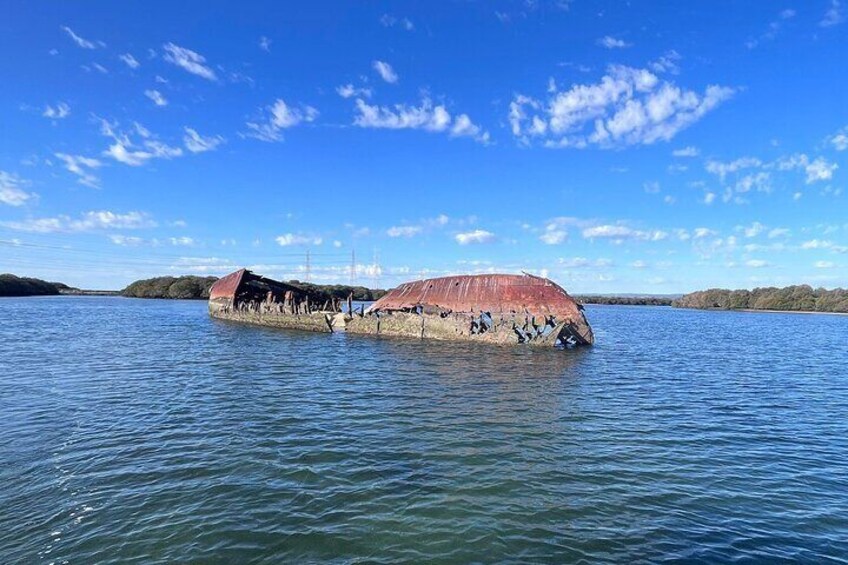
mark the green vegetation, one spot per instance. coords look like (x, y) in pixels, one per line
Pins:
(193, 287)
(186, 287)
(342, 291)
(803, 298)
(625, 300)
(12, 285)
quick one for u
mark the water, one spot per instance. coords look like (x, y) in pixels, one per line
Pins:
(144, 432)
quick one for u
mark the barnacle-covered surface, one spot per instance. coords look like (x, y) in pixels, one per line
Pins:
(501, 309)
(243, 296)
(492, 308)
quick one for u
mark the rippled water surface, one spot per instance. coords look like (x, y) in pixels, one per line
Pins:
(144, 432)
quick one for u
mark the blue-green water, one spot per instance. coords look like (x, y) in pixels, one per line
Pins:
(144, 432)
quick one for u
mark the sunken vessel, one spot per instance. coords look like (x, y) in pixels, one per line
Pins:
(490, 308)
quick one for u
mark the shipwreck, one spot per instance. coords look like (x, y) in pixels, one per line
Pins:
(498, 309)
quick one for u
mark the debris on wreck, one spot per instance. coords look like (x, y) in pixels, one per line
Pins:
(500, 309)
(243, 296)
(504, 309)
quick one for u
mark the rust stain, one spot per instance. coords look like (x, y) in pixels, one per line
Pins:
(520, 294)
(226, 287)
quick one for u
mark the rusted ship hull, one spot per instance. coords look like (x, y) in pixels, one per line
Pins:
(497, 309)
(247, 298)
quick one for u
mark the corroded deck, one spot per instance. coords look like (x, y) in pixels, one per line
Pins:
(499, 309)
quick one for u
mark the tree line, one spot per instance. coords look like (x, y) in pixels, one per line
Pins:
(799, 298)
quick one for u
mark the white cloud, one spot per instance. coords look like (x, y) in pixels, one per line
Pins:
(182, 241)
(126, 240)
(834, 15)
(619, 232)
(582, 262)
(686, 152)
(723, 169)
(288, 239)
(124, 153)
(388, 20)
(627, 107)
(156, 97)
(81, 166)
(709, 198)
(773, 29)
(265, 44)
(282, 116)
(818, 169)
(188, 60)
(129, 60)
(386, 72)
(11, 190)
(610, 42)
(60, 112)
(475, 236)
(81, 42)
(824, 264)
(652, 187)
(700, 233)
(553, 236)
(403, 231)
(89, 221)
(349, 91)
(778, 232)
(753, 230)
(817, 244)
(840, 140)
(756, 263)
(426, 117)
(197, 143)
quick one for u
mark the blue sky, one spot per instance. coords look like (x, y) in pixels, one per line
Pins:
(639, 147)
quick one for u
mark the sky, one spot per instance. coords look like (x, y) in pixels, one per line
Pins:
(645, 147)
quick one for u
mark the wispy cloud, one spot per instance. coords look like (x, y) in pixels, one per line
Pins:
(59, 112)
(290, 239)
(136, 153)
(156, 97)
(610, 42)
(80, 41)
(773, 29)
(839, 140)
(197, 143)
(686, 152)
(628, 106)
(387, 20)
(280, 116)
(386, 72)
(619, 232)
(265, 44)
(130, 61)
(82, 167)
(12, 191)
(188, 60)
(349, 91)
(475, 236)
(403, 231)
(89, 221)
(425, 116)
(835, 15)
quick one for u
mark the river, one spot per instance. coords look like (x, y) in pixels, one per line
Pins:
(137, 431)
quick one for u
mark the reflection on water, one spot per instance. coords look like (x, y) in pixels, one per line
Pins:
(145, 432)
